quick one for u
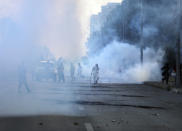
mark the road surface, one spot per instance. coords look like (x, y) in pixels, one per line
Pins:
(80, 107)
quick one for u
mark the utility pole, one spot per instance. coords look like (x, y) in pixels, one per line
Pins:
(123, 31)
(178, 72)
(141, 35)
(178, 46)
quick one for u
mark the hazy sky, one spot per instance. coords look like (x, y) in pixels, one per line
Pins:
(61, 25)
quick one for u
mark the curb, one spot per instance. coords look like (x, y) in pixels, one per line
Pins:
(160, 85)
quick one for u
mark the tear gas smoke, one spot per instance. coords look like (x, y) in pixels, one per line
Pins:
(67, 18)
(31, 30)
(119, 62)
(63, 26)
(10, 8)
(160, 24)
(60, 25)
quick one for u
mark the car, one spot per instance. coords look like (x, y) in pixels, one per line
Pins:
(45, 70)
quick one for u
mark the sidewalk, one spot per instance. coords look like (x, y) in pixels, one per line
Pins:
(170, 87)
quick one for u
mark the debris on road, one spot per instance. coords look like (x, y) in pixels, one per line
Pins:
(177, 91)
(113, 120)
(76, 123)
(155, 114)
(40, 123)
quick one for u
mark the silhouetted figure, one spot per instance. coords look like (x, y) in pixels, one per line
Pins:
(95, 74)
(22, 78)
(173, 73)
(72, 72)
(79, 70)
(60, 70)
(165, 73)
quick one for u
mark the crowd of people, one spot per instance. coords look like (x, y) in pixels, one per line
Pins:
(75, 74)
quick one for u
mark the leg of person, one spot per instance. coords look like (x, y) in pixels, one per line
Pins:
(164, 79)
(95, 80)
(167, 79)
(19, 86)
(59, 78)
(63, 77)
(26, 86)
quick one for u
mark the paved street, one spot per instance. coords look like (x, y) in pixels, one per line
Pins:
(80, 107)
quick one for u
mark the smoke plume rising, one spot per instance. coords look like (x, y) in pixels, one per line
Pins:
(119, 62)
(32, 29)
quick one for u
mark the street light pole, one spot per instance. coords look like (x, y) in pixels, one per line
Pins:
(141, 35)
(123, 29)
(178, 72)
(178, 46)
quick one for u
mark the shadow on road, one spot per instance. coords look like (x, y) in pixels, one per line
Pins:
(43, 123)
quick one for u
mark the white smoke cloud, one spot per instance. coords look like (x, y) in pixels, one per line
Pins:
(67, 28)
(61, 25)
(10, 8)
(120, 62)
(86, 9)
(61, 29)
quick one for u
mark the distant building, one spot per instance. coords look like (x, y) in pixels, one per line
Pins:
(97, 21)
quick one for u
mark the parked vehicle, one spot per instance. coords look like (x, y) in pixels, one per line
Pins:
(45, 71)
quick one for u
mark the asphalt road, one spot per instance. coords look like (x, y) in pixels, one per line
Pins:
(81, 107)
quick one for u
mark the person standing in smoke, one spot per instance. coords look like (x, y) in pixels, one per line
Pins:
(60, 70)
(72, 72)
(165, 73)
(79, 70)
(22, 77)
(95, 74)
